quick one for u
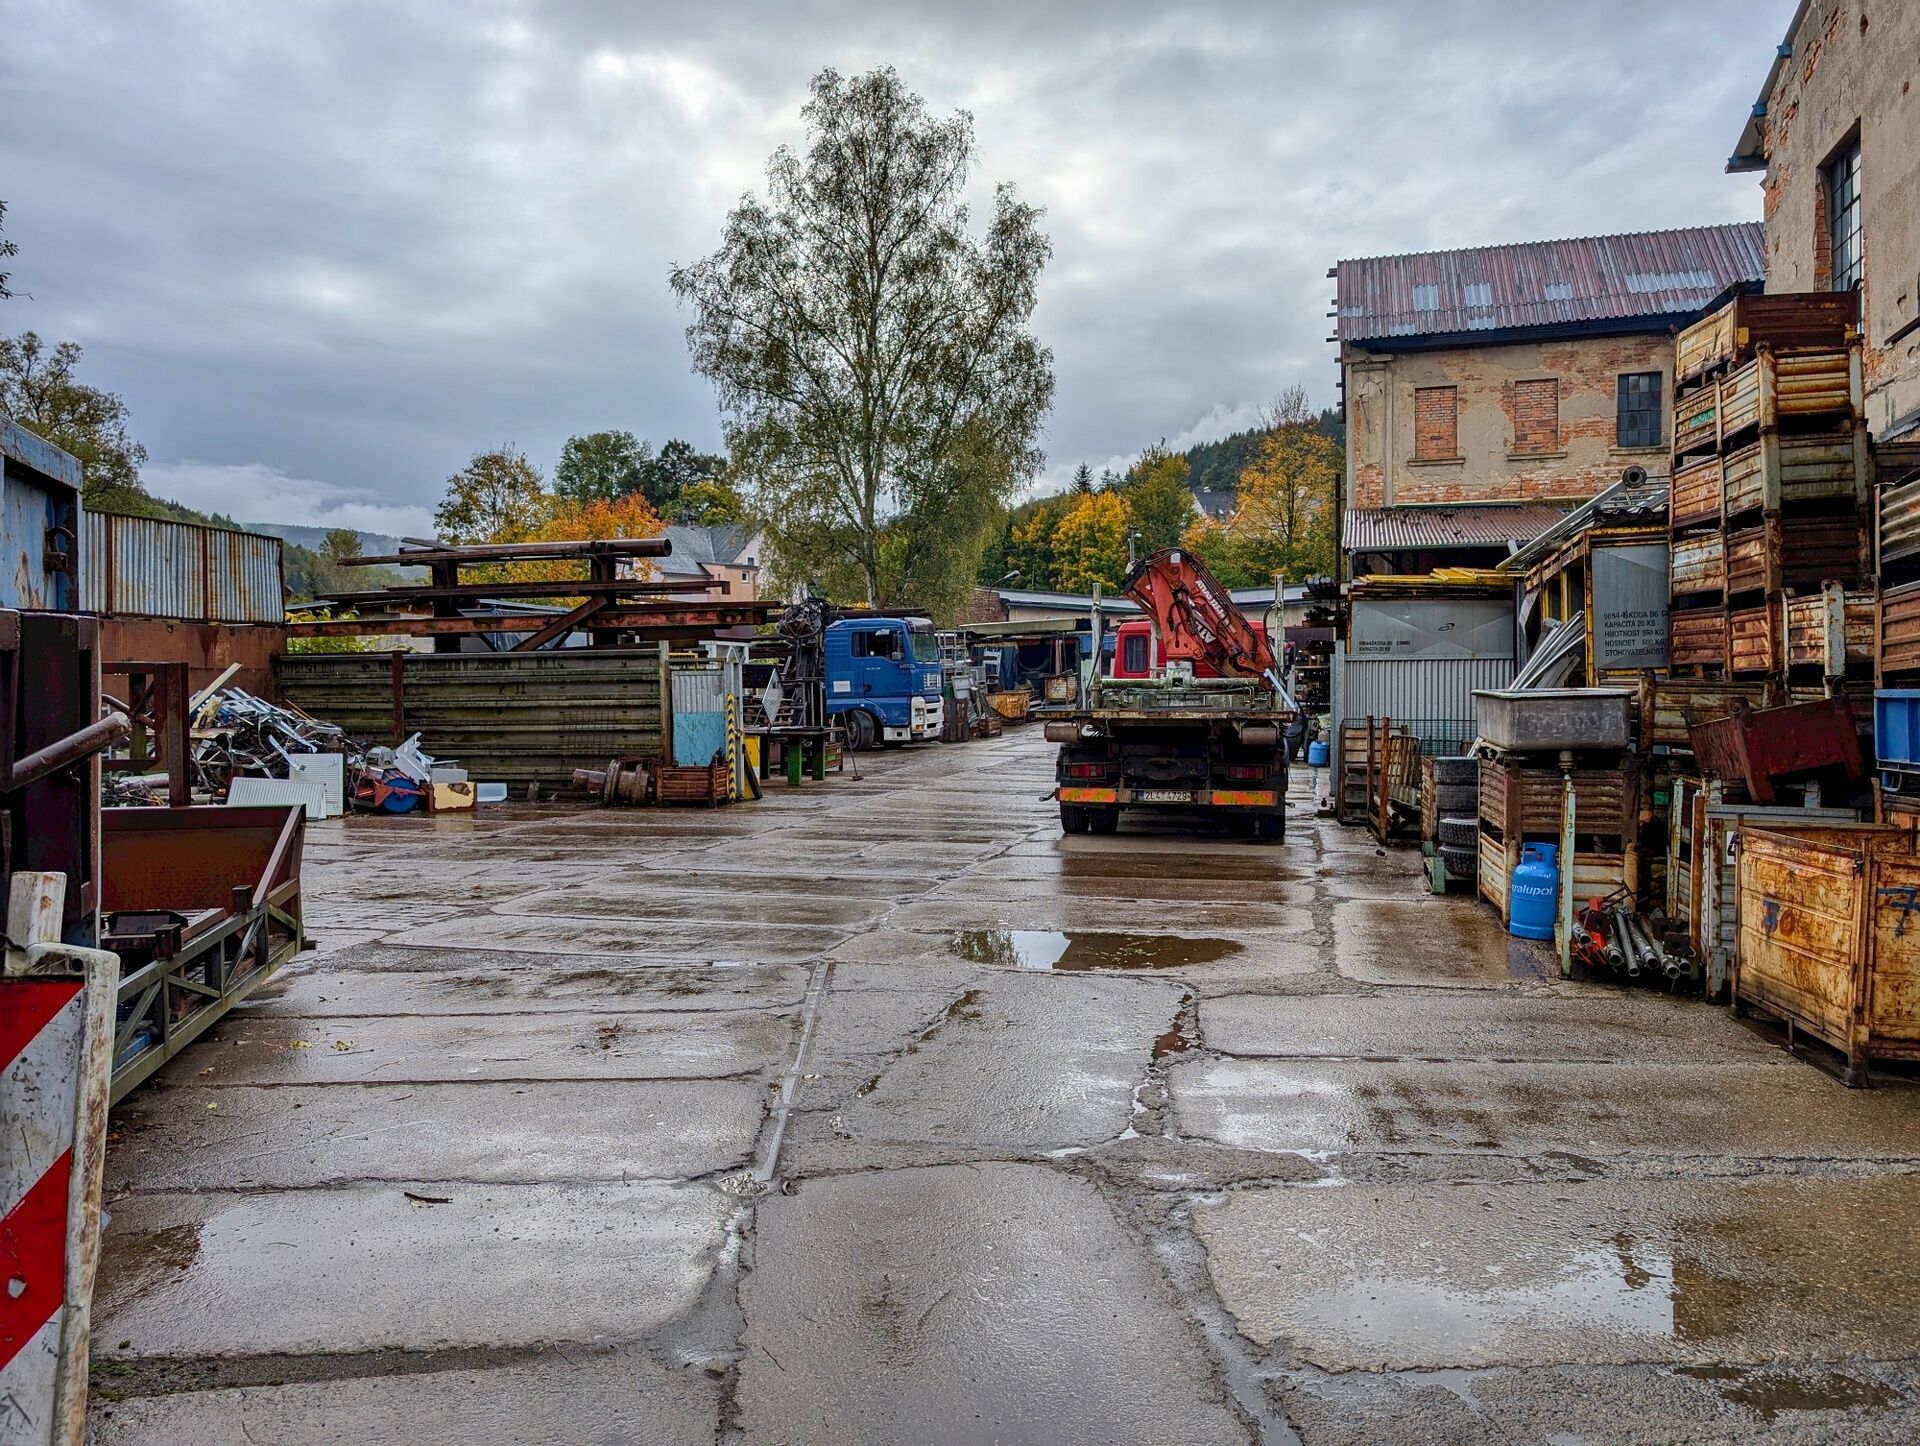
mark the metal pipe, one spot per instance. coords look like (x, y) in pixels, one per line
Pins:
(1629, 953)
(67, 752)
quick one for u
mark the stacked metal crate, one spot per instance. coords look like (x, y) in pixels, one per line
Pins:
(1770, 484)
(1896, 625)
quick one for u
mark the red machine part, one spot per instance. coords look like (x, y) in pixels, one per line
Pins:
(1195, 616)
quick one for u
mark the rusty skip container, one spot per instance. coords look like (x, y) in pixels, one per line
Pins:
(1829, 936)
(1759, 748)
(151, 567)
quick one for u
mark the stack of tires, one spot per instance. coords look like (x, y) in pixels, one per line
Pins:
(1457, 801)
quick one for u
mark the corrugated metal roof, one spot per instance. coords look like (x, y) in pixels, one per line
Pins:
(1391, 529)
(1618, 506)
(1545, 283)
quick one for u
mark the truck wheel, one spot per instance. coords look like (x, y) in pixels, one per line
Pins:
(860, 731)
(1103, 820)
(1073, 818)
(1271, 826)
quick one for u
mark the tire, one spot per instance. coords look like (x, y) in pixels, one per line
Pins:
(1073, 818)
(1462, 863)
(1460, 831)
(1452, 798)
(1270, 826)
(1458, 768)
(1103, 820)
(860, 731)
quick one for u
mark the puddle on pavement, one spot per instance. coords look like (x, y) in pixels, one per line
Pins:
(1073, 951)
(1767, 1393)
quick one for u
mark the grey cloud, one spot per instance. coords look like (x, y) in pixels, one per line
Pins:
(340, 247)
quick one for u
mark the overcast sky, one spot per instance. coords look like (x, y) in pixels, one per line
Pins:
(327, 251)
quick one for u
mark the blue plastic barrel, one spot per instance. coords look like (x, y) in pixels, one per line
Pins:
(1533, 893)
(1317, 754)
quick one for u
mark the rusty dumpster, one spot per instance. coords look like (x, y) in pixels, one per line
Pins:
(1829, 936)
(1758, 748)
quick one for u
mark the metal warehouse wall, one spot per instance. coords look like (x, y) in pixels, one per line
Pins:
(146, 567)
(1432, 695)
(513, 718)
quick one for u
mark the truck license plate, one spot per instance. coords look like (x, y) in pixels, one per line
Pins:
(1162, 795)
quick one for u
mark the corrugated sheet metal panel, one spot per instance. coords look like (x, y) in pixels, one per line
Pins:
(516, 718)
(1545, 283)
(1433, 696)
(39, 512)
(150, 567)
(1389, 529)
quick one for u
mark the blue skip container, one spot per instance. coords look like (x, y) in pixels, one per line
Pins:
(1896, 727)
(1533, 893)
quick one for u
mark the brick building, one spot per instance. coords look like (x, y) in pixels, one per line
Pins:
(1486, 389)
(1837, 131)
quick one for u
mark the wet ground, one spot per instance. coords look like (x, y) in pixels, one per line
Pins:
(879, 1111)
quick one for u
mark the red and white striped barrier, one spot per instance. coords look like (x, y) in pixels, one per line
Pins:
(56, 1054)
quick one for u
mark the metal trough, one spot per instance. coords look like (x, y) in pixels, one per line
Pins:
(202, 905)
(1547, 720)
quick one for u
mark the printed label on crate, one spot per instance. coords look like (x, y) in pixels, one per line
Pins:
(1630, 606)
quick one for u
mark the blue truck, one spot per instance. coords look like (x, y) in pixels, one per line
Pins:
(883, 680)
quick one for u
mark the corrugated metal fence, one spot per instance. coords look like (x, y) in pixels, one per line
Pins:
(513, 718)
(147, 567)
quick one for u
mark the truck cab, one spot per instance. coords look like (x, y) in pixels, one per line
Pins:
(883, 680)
(1137, 652)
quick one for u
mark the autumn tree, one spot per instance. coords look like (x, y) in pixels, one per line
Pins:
(40, 391)
(498, 496)
(600, 466)
(1283, 520)
(882, 388)
(1158, 492)
(1030, 539)
(1090, 544)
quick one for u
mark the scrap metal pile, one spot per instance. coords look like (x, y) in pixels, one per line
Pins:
(1608, 937)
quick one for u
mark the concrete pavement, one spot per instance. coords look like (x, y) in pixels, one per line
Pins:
(880, 1111)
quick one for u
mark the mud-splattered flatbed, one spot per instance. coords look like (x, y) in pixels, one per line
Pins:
(1153, 1137)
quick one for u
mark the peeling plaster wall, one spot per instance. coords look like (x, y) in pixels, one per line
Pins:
(1382, 470)
(1854, 67)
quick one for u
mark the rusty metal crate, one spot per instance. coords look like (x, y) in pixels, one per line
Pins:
(707, 784)
(1898, 629)
(1696, 422)
(1784, 321)
(1795, 470)
(1827, 937)
(1698, 637)
(1695, 500)
(1669, 706)
(1809, 388)
(1520, 800)
(1738, 400)
(1754, 643)
(1831, 630)
(1802, 554)
(1899, 512)
(1698, 564)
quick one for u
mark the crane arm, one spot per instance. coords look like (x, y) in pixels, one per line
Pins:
(1197, 619)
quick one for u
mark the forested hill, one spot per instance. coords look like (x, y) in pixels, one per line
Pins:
(1216, 466)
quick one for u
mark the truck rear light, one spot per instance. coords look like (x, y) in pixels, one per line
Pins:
(1086, 770)
(1246, 770)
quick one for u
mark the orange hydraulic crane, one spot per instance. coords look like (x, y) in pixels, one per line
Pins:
(1198, 620)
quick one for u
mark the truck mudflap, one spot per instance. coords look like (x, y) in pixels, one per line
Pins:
(1202, 797)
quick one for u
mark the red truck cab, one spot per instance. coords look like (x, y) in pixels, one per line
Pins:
(1137, 652)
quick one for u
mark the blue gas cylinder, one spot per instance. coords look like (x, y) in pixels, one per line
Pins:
(1534, 892)
(1317, 754)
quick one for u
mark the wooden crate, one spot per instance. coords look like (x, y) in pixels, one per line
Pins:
(1797, 470)
(1698, 637)
(1754, 643)
(1831, 630)
(1490, 878)
(1695, 500)
(1898, 629)
(1829, 936)
(1697, 564)
(1523, 800)
(1595, 875)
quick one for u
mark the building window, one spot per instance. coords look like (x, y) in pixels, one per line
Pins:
(1639, 411)
(1536, 415)
(1842, 177)
(1133, 657)
(1436, 424)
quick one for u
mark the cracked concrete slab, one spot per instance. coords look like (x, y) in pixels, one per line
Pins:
(364, 1268)
(982, 1303)
(1686, 1272)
